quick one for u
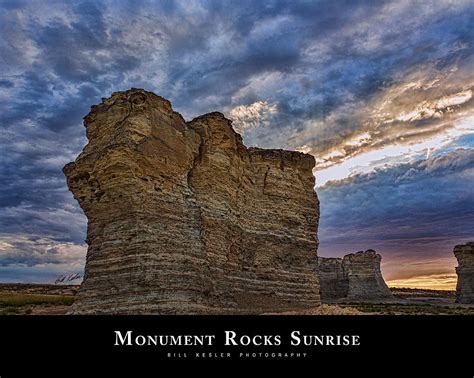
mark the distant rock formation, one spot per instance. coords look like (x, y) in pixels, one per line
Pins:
(465, 287)
(184, 219)
(333, 282)
(357, 276)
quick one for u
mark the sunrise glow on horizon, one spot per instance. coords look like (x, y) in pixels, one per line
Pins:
(432, 282)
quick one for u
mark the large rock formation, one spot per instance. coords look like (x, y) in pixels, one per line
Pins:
(465, 270)
(183, 218)
(356, 277)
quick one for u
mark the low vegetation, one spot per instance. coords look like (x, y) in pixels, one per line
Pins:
(409, 309)
(36, 299)
(21, 303)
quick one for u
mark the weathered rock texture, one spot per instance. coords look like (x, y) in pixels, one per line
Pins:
(465, 270)
(183, 218)
(333, 282)
(357, 276)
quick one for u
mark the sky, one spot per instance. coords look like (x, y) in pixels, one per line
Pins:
(380, 92)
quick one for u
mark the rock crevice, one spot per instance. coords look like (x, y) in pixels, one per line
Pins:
(183, 218)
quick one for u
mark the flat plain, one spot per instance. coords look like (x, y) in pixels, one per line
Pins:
(39, 299)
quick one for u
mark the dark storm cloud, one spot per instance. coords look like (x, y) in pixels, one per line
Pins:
(318, 73)
(6, 84)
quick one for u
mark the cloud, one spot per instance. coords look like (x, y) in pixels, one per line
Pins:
(43, 219)
(337, 166)
(371, 92)
(406, 185)
(435, 109)
(246, 117)
(403, 115)
(25, 250)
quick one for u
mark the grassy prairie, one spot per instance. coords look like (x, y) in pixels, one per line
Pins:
(410, 309)
(21, 303)
(39, 299)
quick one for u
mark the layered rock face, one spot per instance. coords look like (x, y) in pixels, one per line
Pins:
(357, 276)
(333, 281)
(465, 271)
(183, 218)
(365, 280)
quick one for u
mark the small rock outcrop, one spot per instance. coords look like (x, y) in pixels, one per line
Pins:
(465, 270)
(356, 276)
(184, 219)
